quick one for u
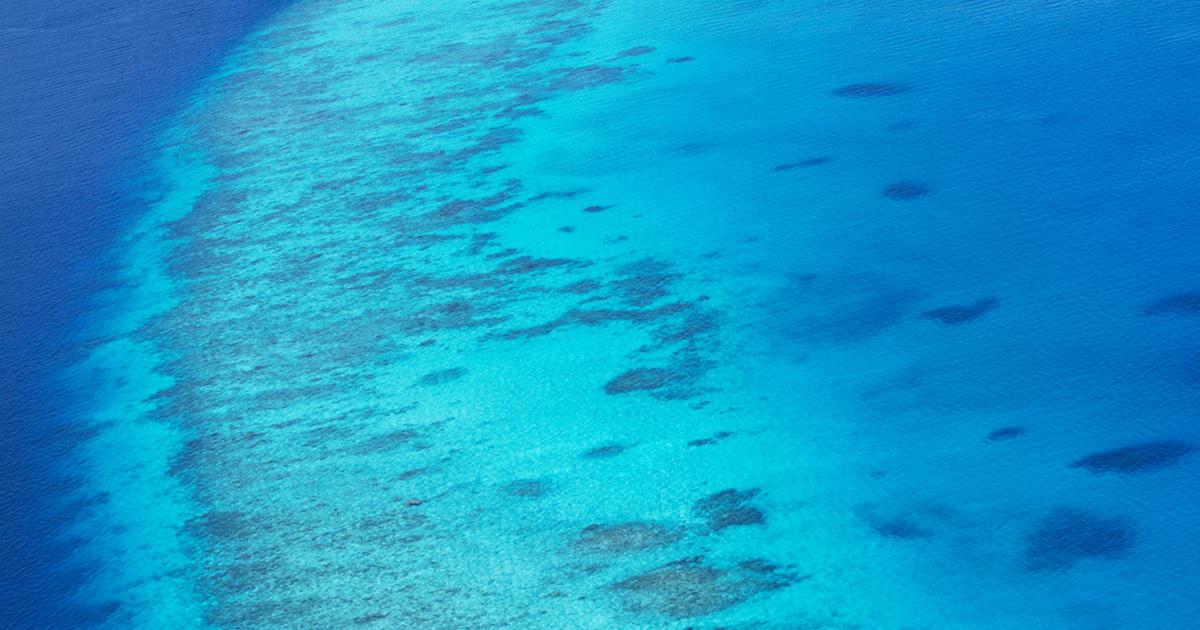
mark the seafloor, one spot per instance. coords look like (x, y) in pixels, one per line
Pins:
(574, 314)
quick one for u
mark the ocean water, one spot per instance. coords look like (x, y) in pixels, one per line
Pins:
(83, 85)
(560, 313)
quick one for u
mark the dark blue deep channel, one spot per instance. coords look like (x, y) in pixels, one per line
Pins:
(81, 81)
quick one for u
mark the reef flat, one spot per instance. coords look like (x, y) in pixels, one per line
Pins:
(560, 313)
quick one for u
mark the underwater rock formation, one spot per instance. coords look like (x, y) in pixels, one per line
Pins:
(607, 450)
(906, 190)
(636, 51)
(441, 377)
(529, 488)
(385, 442)
(644, 282)
(899, 527)
(1069, 535)
(571, 79)
(638, 379)
(1178, 304)
(816, 161)
(716, 437)
(691, 588)
(1005, 433)
(729, 508)
(959, 314)
(626, 537)
(1136, 458)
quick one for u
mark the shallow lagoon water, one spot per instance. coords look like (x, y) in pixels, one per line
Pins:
(748, 314)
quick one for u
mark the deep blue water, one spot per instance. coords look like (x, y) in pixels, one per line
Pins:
(84, 81)
(836, 314)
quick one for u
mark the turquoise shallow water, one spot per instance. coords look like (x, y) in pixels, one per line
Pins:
(750, 314)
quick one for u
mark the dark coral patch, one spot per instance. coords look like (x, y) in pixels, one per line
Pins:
(638, 380)
(871, 90)
(386, 442)
(739, 516)
(684, 59)
(489, 142)
(758, 565)
(644, 282)
(504, 253)
(335, 184)
(578, 317)
(559, 194)
(625, 537)
(816, 161)
(369, 618)
(729, 508)
(441, 377)
(412, 473)
(694, 325)
(1005, 433)
(370, 203)
(1178, 304)
(906, 190)
(594, 209)
(1137, 458)
(601, 452)
(516, 113)
(527, 488)
(586, 77)
(702, 442)
(636, 51)
(222, 524)
(679, 382)
(1069, 535)
(529, 264)
(582, 286)
(558, 31)
(458, 314)
(690, 588)
(665, 383)
(457, 281)
(680, 589)
(959, 314)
